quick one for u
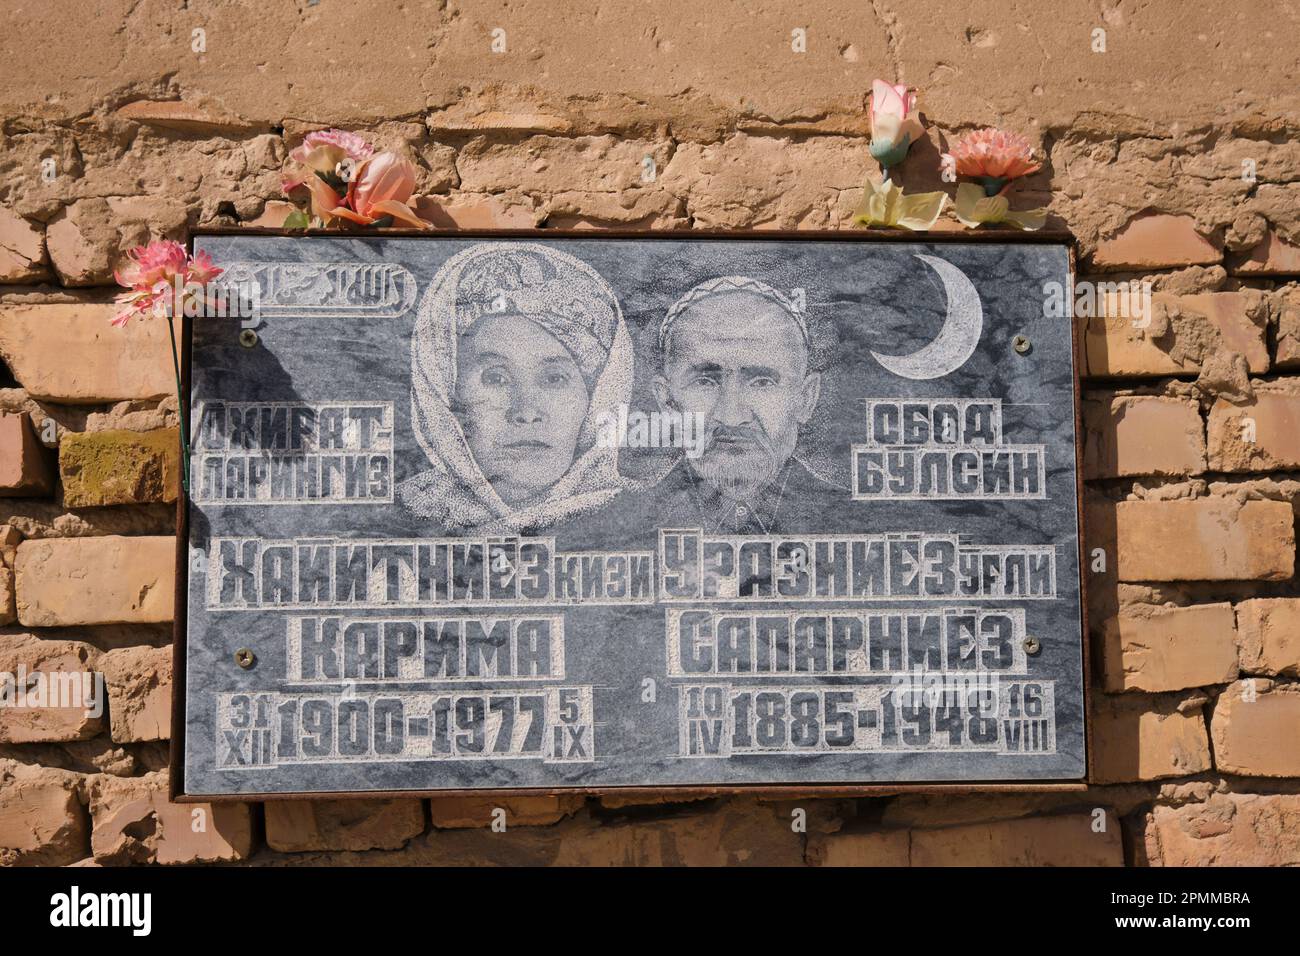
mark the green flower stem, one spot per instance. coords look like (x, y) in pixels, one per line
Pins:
(993, 185)
(180, 408)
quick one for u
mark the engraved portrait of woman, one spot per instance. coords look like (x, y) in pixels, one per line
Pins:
(519, 351)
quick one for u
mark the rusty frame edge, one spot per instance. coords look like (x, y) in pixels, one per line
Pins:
(1077, 345)
(180, 614)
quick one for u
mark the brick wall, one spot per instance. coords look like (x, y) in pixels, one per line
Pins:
(1173, 156)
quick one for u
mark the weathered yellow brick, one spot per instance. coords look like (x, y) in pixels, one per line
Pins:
(134, 822)
(108, 580)
(1156, 241)
(295, 826)
(1256, 729)
(1268, 635)
(69, 353)
(1170, 648)
(1259, 435)
(1070, 839)
(1229, 829)
(1143, 435)
(1146, 738)
(139, 682)
(1204, 539)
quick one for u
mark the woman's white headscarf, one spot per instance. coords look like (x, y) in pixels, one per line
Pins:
(567, 298)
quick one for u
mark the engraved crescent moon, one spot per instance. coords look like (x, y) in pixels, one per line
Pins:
(957, 339)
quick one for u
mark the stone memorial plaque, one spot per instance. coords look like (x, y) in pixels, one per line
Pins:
(573, 511)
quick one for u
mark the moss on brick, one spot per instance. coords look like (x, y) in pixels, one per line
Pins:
(119, 467)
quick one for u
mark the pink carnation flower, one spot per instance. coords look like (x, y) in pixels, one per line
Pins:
(321, 152)
(202, 270)
(353, 145)
(994, 154)
(153, 274)
(149, 264)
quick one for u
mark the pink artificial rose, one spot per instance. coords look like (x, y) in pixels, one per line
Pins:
(994, 154)
(381, 187)
(893, 114)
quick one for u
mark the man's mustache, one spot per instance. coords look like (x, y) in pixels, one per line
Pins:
(740, 434)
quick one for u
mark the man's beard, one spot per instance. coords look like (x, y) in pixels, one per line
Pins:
(738, 472)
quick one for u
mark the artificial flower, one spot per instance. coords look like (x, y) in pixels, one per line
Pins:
(324, 199)
(148, 264)
(381, 187)
(156, 274)
(322, 153)
(885, 204)
(894, 123)
(973, 209)
(202, 269)
(347, 180)
(160, 279)
(994, 157)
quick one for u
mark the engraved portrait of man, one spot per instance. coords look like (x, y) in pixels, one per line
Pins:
(735, 353)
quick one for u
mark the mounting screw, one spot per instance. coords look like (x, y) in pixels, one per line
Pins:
(245, 658)
(248, 338)
(1032, 646)
(1021, 344)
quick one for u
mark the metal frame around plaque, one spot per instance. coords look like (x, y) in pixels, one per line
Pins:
(406, 289)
